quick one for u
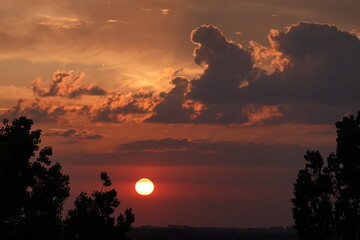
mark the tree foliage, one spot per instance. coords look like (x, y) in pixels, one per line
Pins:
(32, 190)
(326, 203)
(92, 219)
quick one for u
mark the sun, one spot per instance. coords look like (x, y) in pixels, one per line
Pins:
(144, 186)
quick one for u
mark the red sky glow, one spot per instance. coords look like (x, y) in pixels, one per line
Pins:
(215, 101)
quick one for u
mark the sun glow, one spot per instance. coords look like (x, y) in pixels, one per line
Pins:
(144, 186)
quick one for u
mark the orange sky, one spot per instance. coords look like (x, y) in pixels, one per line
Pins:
(215, 101)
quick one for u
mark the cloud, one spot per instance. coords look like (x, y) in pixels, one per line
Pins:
(116, 108)
(321, 67)
(187, 151)
(112, 21)
(121, 108)
(177, 107)
(162, 145)
(171, 109)
(165, 11)
(61, 23)
(228, 65)
(76, 134)
(319, 77)
(116, 21)
(41, 111)
(63, 87)
(307, 74)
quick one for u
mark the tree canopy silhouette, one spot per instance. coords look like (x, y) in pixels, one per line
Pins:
(326, 203)
(92, 219)
(32, 190)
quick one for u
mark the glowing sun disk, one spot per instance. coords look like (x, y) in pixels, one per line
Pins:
(144, 186)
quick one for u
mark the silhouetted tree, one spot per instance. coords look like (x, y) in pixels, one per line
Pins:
(312, 206)
(32, 192)
(91, 219)
(44, 208)
(326, 203)
(346, 168)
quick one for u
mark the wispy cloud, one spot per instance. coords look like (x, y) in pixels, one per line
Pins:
(116, 21)
(61, 22)
(165, 11)
(146, 9)
(112, 21)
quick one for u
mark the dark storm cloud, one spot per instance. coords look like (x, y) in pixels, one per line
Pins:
(178, 107)
(316, 78)
(60, 86)
(323, 67)
(228, 65)
(171, 109)
(186, 151)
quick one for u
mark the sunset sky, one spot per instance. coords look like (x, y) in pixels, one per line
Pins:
(215, 101)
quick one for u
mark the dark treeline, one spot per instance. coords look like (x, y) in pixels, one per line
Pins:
(33, 190)
(326, 203)
(197, 233)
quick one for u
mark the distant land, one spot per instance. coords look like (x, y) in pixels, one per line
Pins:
(180, 232)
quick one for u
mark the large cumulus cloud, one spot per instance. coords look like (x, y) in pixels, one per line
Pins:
(315, 76)
(322, 67)
(228, 65)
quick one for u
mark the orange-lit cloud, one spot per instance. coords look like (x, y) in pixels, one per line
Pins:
(60, 23)
(257, 114)
(165, 11)
(62, 86)
(120, 108)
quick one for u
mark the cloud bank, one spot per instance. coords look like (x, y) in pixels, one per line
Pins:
(306, 74)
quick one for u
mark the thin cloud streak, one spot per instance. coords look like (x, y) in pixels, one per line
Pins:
(76, 134)
(196, 152)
